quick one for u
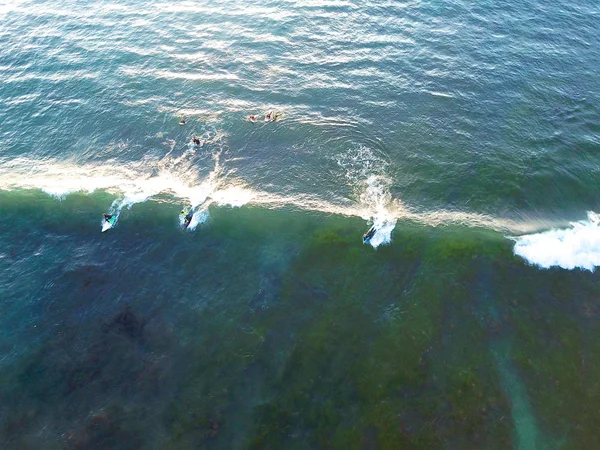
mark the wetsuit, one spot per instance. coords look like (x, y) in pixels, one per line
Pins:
(369, 234)
(187, 220)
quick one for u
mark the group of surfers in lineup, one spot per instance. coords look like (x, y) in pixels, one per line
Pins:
(271, 116)
(187, 213)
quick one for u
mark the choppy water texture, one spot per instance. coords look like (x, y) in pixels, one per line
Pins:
(468, 133)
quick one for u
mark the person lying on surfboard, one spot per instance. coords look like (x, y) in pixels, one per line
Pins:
(272, 116)
(196, 140)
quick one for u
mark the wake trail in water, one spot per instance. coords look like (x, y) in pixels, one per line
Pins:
(116, 207)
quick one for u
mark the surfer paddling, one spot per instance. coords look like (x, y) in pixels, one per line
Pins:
(272, 116)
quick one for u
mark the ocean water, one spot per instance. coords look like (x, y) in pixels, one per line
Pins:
(467, 133)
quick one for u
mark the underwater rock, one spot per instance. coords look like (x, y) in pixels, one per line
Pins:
(103, 430)
(213, 426)
(127, 323)
(79, 377)
(268, 292)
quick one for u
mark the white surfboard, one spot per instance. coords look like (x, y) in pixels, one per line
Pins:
(106, 225)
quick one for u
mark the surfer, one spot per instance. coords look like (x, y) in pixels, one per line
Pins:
(272, 116)
(196, 140)
(369, 234)
(187, 218)
(252, 118)
(182, 121)
(108, 222)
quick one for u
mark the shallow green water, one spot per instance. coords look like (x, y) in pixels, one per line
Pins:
(271, 329)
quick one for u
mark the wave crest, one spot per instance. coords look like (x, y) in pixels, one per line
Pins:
(569, 248)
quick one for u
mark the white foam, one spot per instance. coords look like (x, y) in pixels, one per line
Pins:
(383, 232)
(197, 195)
(200, 216)
(135, 181)
(106, 225)
(138, 197)
(56, 192)
(115, 211)
(569, 248)
(178, 178)
(234, 196)
(366, 171)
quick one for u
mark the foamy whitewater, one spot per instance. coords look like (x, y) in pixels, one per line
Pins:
(570, 248)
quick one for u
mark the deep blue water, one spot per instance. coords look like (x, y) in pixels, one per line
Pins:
(468, 133)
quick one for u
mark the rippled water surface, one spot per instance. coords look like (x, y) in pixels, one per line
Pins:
(466, 133)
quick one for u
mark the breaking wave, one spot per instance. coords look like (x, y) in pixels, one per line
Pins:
(194, 175)
(575, 247)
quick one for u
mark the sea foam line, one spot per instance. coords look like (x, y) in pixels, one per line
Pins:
(137, 182)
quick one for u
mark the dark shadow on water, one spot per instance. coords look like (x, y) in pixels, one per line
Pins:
(89, 388)
(126, 322)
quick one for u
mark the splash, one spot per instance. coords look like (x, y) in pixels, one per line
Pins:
(199, 217)
(377, 196)
(570, 248)
(366, 172)
(115, 211)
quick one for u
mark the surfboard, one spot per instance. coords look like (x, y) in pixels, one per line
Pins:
(108, 224)
(182, 217)
(369, 234)
(186, 222)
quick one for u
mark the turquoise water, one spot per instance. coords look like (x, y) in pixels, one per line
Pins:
(468, 134)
